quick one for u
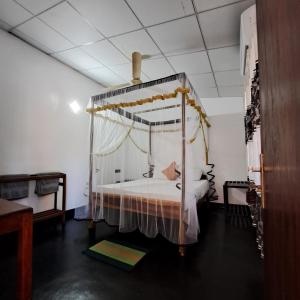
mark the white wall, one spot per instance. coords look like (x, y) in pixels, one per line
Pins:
(223, 105)
(38, 130)
(227, 150)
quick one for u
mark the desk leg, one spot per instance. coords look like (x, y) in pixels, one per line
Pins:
(225, 194)
(24, 287)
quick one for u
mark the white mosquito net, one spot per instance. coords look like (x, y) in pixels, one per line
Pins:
(148, 150)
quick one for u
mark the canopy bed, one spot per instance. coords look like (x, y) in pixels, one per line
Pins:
(148, 151)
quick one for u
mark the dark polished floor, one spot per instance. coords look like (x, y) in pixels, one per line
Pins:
(223, 265)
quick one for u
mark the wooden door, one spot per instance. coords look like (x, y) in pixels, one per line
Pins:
(278, 24)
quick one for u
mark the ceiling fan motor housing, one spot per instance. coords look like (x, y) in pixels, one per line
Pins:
(136, 67)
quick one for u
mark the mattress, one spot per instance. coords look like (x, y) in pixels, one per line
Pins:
(156, 189)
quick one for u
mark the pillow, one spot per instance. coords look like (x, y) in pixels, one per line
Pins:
(170, 172)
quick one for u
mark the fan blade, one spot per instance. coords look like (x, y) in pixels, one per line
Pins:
(118, 86)
(146, 56)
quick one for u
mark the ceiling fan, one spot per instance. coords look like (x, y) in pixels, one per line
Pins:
(137, 58)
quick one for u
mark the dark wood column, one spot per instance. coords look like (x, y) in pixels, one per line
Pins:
(279, 58)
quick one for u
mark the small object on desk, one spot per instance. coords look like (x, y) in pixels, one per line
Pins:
(232, 184)
(17, 217)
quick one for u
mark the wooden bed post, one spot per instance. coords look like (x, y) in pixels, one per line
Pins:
(91, 223)
(181, 237)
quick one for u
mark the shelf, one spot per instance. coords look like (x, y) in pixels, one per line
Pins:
(24, 177)
(48, 214)
(51, 213)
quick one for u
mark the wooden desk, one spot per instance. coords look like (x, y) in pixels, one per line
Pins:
(16, 217)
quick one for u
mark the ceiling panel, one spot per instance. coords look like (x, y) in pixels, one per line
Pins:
(221, 26)
(157, 11)
(70, 24)
(104, 76)
(32, 41)
(208, 92)
(12, 13)
(231, 91)
(125, 71)
(192, 63)
(224, 59)
(37, 6)
(77, 59)
(228, 78)
(156, 68)
(110, 17)
(201, 81)
(43, 34)
(136, 41)
(106, 53)
(202, 5)
(178, 36)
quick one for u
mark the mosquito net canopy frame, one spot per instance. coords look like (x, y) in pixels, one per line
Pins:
(148, 145)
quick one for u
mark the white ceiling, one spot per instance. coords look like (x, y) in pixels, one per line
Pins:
(97, 37)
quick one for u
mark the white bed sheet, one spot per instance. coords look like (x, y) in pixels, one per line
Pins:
(156, 188)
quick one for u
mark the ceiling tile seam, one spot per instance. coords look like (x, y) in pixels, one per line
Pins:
(123, 33)
(62, 35)
(154, 56)
(204, 43)
(221, 6)
(162, 53)
(222, 47)
(230, 85)
(171, 20)
(61, 62)
(229, 70)
(37, 16)
(28, 43)
(107, 38)
(78, 71)
(29, 11)
(105, 66)
(143, 27)
(58, 32)
(95, 28)
(34, 15)
(185, 53)
(6, 24)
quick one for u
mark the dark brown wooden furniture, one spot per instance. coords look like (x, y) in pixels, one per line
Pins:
(232, 184)
(16, 217)
(52, 213)
(278, 51)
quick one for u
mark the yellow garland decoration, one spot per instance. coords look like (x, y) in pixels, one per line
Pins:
(181, 90)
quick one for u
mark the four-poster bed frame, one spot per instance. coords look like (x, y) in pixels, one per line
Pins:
(170, 209)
